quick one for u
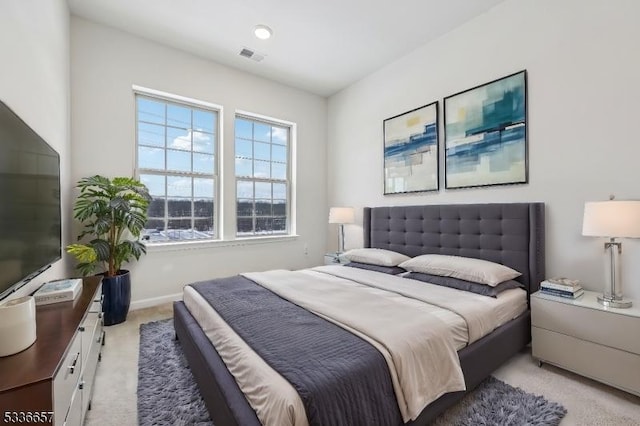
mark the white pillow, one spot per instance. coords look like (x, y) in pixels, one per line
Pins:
(464, 268)
(375, 256)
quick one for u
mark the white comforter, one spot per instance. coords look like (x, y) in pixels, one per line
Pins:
(397, 321)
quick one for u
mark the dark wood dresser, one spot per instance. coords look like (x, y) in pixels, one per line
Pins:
(51, 382)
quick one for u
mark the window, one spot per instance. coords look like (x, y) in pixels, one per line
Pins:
(262, 177)
(176, 158)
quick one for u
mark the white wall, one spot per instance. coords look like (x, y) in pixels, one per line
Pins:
(584, 89)
(105, 63)
(34, 83)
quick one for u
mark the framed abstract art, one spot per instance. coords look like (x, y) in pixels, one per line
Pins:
(411, 151)
(486, 134)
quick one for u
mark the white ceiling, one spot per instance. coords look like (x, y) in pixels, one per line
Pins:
(320, 46)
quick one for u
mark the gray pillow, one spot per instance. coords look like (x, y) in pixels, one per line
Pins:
(464, 268)
(482, 289)
(393, 270)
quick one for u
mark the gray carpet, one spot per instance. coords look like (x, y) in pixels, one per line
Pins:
(168, 395)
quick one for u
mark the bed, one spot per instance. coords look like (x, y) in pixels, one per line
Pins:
(510, 234)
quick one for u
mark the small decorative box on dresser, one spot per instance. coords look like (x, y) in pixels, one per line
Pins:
(585, 337)
(51, 382)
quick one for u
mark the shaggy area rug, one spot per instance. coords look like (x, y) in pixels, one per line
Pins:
(168, 395)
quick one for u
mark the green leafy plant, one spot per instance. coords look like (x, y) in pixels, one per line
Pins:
(111, 211)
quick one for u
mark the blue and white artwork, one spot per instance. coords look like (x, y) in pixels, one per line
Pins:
(486, 134)
(411, 151)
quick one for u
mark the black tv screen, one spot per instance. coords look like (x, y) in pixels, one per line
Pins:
(30, 225)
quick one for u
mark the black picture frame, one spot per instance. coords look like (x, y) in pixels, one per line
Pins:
(486, 134)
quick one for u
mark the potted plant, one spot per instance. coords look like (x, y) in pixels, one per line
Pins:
(113, 213)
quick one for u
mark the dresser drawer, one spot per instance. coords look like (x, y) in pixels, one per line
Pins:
(597, 326)
(91, 325)
(611, 366)
(66, 379)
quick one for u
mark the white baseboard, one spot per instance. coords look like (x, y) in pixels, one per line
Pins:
(154, 301)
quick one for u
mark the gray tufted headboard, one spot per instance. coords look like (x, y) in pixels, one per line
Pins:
(511, 233)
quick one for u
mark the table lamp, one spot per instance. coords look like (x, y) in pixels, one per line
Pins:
(341, 215)
(612, 219)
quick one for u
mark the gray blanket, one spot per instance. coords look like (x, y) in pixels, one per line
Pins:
(341, 379)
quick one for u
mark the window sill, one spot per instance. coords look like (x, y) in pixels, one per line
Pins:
(198, 245)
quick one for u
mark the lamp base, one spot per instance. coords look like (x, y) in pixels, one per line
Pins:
(614, 303)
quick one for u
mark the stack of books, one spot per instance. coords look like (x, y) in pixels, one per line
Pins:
(563, 287)
(58, 291)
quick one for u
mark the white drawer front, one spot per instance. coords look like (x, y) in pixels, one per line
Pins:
(91, 323)
(605, 328)
(614, 367)
(66, 380)
(74, 416)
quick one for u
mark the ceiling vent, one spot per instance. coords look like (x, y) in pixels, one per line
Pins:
(250, 54)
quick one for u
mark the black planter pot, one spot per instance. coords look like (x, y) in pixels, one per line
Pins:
(117, 297)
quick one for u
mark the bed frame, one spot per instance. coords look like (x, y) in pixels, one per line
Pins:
(511, 234)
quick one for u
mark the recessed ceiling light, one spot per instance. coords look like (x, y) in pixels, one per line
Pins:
(262, 32)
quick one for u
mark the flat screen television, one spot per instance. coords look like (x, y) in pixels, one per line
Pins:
(30, 222)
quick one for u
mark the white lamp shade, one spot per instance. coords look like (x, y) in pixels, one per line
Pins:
(341, 215)
(612, 219)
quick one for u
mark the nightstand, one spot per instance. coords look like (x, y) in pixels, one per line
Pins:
(588, 338)
(334, 259)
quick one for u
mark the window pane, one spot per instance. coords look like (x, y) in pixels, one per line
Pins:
(150, 111)
(178, 139)
(263, 190)
(245, 226)
(155, 224)
(279, 153)
(279, 207)
(243, 168)
(262, 151)
(178, 186)
(178, 116)
(263, 208)
(156, 208)
(154, 231)
(203, 208)
(244, 129)
(264, 225)
(179, 207)
(150, 158)
(203, 188)
(203, 163)
(244, 189)
(279, 171)
(204, 120)
(204, 226)
(178, 160)
(261, 169)
(244, 208)
(244, 149)
(203, 142)
(261, 132)
(280, 224)
(280, 191)
(280, 135)
(155, 184)
(150, 134)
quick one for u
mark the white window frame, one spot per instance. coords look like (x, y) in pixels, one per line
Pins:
(218, 151)
(290, 178)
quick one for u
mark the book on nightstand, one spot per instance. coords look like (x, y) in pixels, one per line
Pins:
(563, 287)
(63, 290)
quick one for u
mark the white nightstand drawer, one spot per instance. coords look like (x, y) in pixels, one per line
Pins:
(594, 325)
(611, 366)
